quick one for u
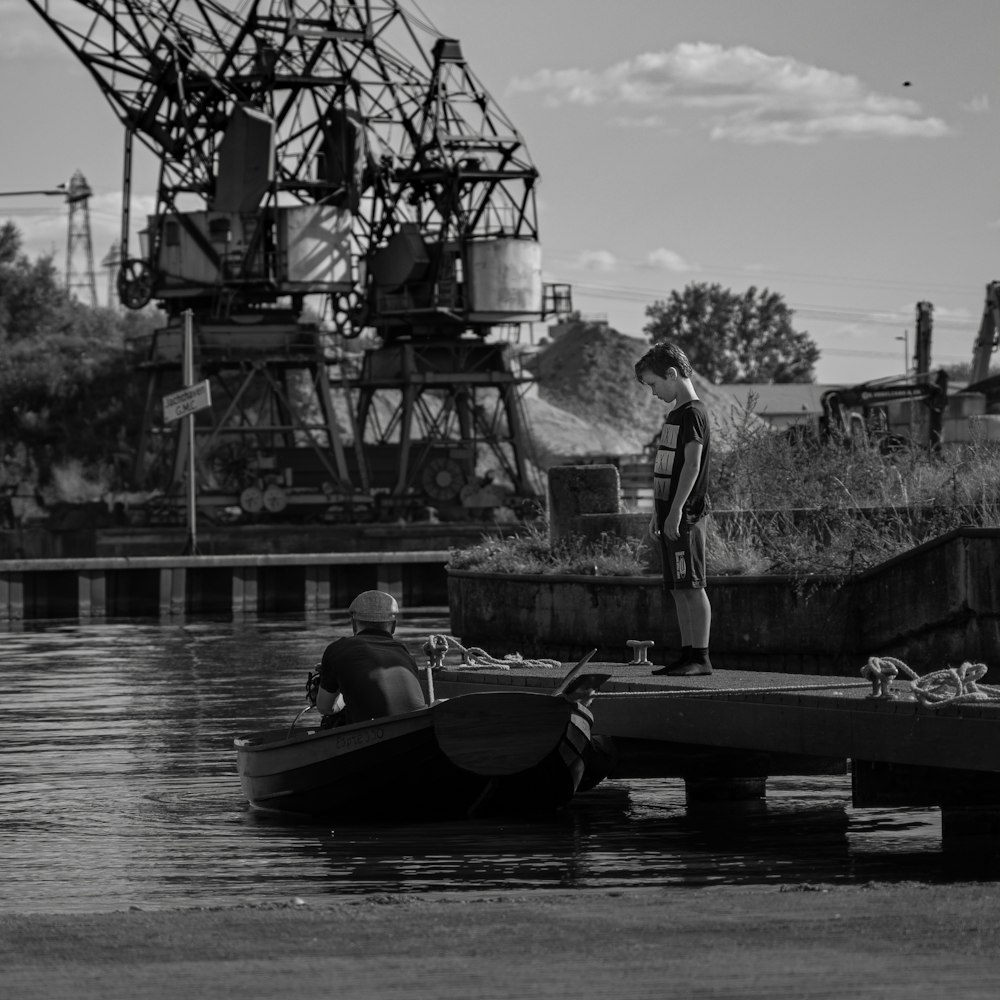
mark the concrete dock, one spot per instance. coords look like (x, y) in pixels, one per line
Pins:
(726, 733)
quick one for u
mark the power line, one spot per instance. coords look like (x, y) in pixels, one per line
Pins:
(822, 313)
(772, 273)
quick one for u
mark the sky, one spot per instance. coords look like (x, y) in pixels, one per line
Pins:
(843, 153)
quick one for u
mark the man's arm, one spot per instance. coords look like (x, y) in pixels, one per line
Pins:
(329, 702)
(328, 697)
(685, 484)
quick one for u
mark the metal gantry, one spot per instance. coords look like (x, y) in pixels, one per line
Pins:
(339, 153)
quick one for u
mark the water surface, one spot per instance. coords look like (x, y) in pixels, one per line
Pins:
(118, 788)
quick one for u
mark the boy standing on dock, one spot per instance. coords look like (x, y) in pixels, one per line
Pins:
(680, 492)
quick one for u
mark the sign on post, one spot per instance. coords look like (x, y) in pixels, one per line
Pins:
(188, 400)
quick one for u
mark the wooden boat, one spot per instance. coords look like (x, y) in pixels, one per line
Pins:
(486, 753)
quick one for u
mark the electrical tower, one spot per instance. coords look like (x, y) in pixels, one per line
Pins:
(80, 279)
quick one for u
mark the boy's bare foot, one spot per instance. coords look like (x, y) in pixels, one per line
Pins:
(669, 668)
(689, 669)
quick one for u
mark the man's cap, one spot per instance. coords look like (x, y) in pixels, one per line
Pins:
(374, 606)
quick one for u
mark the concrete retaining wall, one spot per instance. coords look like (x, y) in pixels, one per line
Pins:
(936, 605)
(169, 586)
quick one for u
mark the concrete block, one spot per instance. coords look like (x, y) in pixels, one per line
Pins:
(580, 489)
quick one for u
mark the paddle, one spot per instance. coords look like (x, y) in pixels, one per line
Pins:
(565, 683)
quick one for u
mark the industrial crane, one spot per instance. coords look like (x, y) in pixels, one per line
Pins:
(334, 149)
(988, 337)
(861, 411)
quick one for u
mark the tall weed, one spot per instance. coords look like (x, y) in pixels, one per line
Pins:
(808, 507)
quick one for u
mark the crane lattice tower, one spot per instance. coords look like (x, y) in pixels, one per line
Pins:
(343, 150)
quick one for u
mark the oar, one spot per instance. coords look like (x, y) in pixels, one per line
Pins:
(565, 683)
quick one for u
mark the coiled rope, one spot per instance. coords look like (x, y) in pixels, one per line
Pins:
(951, 686)
(473, 657)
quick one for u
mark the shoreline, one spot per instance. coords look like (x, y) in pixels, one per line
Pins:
(810, 940)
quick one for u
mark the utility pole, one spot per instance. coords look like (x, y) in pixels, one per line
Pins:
(906, 351)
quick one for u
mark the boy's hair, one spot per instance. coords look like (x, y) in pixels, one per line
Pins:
(660, 357)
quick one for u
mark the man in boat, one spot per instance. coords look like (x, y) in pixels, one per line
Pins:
(370, 674)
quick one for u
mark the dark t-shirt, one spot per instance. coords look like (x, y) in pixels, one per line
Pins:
(684, 424)
(375, 673)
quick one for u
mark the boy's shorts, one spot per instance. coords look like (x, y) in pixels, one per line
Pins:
(684, 559)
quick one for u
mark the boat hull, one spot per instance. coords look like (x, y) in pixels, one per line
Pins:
(483, 754)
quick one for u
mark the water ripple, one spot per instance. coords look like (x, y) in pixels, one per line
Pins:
(118, 787)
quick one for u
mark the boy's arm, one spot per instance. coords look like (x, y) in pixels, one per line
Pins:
(685, 484)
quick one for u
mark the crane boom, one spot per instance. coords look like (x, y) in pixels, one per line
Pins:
(346, 110)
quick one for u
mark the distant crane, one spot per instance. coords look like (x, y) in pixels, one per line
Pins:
(110, 263)
(988, 337)
(78, 241)
(80, 278)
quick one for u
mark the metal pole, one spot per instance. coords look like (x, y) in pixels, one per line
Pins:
(906, 351)
(192, 510)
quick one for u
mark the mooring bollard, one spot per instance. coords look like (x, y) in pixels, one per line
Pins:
(639, 649)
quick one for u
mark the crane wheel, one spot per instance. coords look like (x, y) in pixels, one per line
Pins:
(135, 283)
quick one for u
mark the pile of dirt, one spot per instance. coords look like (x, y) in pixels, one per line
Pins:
(587, 402)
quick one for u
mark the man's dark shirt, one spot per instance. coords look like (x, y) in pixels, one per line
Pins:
(375, 673)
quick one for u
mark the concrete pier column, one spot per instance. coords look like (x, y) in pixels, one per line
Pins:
(317, 583)
(701, 791)
(11, 596)
(92, 594)
(580, 489)
(244, 590)
(971, 829)
(390, 580)
(173, 591)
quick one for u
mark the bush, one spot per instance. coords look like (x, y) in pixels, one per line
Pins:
(784, 504)
(805, 507)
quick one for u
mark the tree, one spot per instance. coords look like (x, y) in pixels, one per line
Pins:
(31, 299)
(734, 338)
(67, 386)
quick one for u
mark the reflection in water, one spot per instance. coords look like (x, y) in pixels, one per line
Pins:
(118, 787)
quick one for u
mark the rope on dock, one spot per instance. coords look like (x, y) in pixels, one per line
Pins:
(705, 692)
(475, 658)
(950, 686)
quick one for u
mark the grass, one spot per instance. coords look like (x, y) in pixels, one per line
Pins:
(792, 505)
(532, 552)
(787, 505)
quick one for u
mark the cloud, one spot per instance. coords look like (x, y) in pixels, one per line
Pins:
(642, 121)
(959, 314)
(668, 260)
(596, 260)
(742, 95)
(978, 105)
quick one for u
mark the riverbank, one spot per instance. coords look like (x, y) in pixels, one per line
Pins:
(803, 941)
